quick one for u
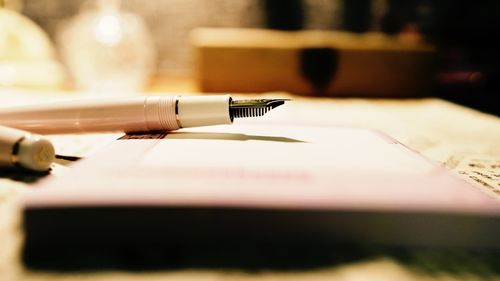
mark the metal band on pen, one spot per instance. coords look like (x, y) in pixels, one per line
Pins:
(177, 119)
(14, 157)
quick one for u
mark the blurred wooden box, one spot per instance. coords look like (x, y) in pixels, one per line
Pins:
(310, 62)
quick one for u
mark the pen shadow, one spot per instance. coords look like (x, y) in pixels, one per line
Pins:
(229, 136)
(20, 175)
(27, 176)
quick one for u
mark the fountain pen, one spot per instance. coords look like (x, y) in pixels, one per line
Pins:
(133, 114)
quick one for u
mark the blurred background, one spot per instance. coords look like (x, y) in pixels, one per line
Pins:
(439, 48)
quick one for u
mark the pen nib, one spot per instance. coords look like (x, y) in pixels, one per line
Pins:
(253, 108)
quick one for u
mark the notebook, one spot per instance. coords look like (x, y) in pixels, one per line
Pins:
(253, 185)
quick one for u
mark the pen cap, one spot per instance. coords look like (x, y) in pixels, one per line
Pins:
(203, 111)
(35, 153)
(21, 148)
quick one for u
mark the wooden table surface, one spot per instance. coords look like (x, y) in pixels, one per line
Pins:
(464, 140)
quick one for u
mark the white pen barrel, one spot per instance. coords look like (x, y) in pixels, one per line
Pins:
(78, 116)
(134, 114)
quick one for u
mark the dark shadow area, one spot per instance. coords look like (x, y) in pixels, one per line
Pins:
(22, 175)
(227, 136)
(319, 66)
(138, 239)
(62, 159)
(464, 32)
(283, 15)
(27, 176)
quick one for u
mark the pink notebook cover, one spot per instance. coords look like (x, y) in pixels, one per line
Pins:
(263, 166)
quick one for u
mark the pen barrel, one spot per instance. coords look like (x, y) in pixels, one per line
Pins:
(134, 114)
(129, 114)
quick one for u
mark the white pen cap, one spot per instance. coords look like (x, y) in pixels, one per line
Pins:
(20, 148)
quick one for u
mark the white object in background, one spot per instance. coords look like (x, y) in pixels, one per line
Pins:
(27, 57)
(20, 148)
(107, 50)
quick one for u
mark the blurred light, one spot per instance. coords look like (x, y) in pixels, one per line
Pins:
(108, 29)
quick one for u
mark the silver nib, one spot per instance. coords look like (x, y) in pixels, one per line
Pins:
(253, 108)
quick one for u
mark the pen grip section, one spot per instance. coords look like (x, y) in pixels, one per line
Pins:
(198, 111)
